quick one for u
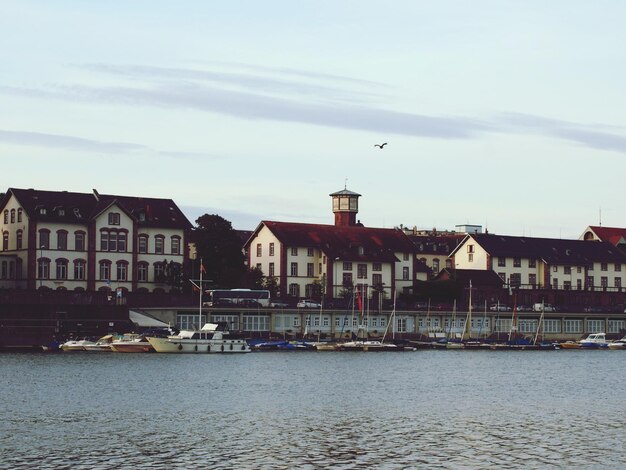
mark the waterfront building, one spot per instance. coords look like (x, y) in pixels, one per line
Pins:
(614, 235)
(89, 241)
(315, 260)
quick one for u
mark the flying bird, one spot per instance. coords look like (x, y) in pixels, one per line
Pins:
(380, 145)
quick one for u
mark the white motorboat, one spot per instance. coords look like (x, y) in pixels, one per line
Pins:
(594, 341)
(102, 345)
(132, 343)
(212, 338)
(618, 344)
(77, 345)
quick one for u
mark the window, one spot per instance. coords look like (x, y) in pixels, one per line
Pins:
(294, 251)
(501, 262)
(271, 248)
(44, 239)
(470, 248)
(435, 266)
(259, 250)
(310, 252)
(572, 326)
(271, 270)
(175, 245)
(5, 241)
(590, 267)
(555, 283)
(142, 272)
(604, 282)
(79, 269)
(517, 262)
(112, 241)
(12, 216)
(590, 282)
(159, 272)
(142, 244)
(19, 215)
(401, 325)
(294, 290)
(61, 240)
(104, 241)
(377, 279)
(618, 282)
(347, 266)
(294, 269)
(377, 267)
(567, 270)
(579, 269)
(6, 216)
(114, 218)
(595, 326)
(579, 284)
(121, 241)
(405, 273)
(310, 270)
(552, 326)
(532, 279)
(43, 268)
(515, 279)
(470, 257)
(347, 279)
(105, 270)
(555, 269)
(532, 263)
(122, 270)
(567, 285)
(18, 239)
(618, 267)
(604, 267)
(362, 271)
(405, 256)
(79, 241)
(159, 242)
(61, 265)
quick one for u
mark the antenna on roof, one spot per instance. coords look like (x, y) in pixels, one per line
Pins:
(345, 183)
(600, 215)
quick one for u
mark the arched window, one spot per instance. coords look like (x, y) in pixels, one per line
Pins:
(122, 270)
(175, 245)
(43, 268)
(159, 243)
(19, 215)
(44, 239)
(79, 269)
(5, 241)
(142, 271)
(142, 243)
(122, 236)
(61, 271)
(105, 270)
(62, 240)
(79, 240)
(159, 272)
(6, 216)
(12, 216)
(18, 239)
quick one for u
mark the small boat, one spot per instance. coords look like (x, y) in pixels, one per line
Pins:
(102, 345)
(212, 338)
(132, 343)
(618, 344)
(569, 345)
(594, 341)
(283, 345)
(77, 345)
(368, 345)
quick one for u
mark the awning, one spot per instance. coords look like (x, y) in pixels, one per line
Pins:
(145, 321)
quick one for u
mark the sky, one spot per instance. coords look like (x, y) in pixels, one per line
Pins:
(505, 114)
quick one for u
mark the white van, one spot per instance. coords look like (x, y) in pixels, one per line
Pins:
(544, 307)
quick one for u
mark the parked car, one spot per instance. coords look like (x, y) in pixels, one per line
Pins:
(278, 304)
(500, 308)
(546, 308)
(308, 304)
(250, 303)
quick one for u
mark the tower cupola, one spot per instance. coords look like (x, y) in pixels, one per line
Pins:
(345, 207)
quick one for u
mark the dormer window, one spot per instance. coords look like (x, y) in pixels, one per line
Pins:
(77, 213)
(42, 211)
(142, 217)
(361, 250)
(114, 218)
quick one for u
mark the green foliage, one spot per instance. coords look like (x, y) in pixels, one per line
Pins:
(271, 284)
(172, 274)
(220, 248)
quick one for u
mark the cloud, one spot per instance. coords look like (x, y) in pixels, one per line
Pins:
(590, 135)
(80, 144)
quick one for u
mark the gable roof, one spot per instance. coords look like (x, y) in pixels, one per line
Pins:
(613, 235)
(551, 250)
(342, 242)
(80, 208)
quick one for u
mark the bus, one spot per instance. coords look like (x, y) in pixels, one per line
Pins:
(241, 297)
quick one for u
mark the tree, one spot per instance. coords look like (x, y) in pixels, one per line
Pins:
(271, 284)
(220, 248)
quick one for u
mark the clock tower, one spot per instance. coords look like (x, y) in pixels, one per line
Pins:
(345, 207)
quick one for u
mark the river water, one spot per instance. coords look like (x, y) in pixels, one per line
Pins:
(308, 410)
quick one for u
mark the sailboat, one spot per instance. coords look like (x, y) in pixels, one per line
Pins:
(365, 344)
(211, 338)
(515, 340)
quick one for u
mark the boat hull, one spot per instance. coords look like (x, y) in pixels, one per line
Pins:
(200, 346)
(132, 347)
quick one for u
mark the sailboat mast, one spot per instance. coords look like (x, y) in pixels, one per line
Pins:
(200, 302)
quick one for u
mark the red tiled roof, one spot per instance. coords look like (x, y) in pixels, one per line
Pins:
(609, 234)
(378, 244)
(80, 208)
